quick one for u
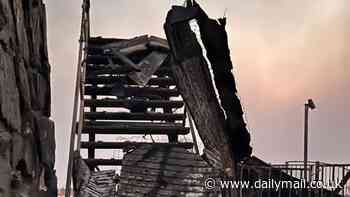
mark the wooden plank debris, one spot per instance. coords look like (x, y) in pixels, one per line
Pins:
(135, 128)
(148, 66)
(163, 171)
(92, 184)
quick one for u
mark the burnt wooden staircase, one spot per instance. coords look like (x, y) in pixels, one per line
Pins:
(129, 90)
(124, 90)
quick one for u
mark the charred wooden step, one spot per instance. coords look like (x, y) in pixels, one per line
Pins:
(116, 69)
(122, 145)
(103, 162)
(133, 103)
(99, 45)
(103, 59)
(131, 91)
(100, 41)
(133, 116)
(92, 70)
(160, 81)
(135, 128)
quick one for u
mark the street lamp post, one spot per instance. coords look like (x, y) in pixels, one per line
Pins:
(309, 105)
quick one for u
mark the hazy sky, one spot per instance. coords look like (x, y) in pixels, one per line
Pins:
(284, 52)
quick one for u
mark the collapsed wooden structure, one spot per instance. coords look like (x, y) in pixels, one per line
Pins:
(143, 86)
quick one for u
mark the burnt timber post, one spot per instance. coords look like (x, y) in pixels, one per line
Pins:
(193, 75)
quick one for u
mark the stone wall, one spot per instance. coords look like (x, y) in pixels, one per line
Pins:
(27, 140)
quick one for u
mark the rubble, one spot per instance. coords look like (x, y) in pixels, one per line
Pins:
(164, 171)
(92, 184)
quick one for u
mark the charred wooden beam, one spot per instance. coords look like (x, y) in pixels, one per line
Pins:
(160, 44)
(131, 91)
(197, 92)
(121, 145)
(100, 41)
(112, 79)
(101, 45)
(101, 59)
(116, 58)
(194, 78)
(131, 103)
(125, 46)
(132, 116)
(148, 66)
(133, 128)
(103, 162)
(104, 70)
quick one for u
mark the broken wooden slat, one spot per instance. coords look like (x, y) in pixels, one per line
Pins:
(121, 145)
(132, 116)
(100, 45)
(135, 45)
(132, 91)
(131, 103)
(125, 60)
(100, 41)
(132, 128)
(157, 43)
(148, 66)
(160, 81)
(116, 58)
(107, 69)
(103, 162)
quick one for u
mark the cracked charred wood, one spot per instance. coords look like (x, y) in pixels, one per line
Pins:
(148, 66)
(135, 128)
(159, 81)
(24, 93)
(215, 40)
(191, 71)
